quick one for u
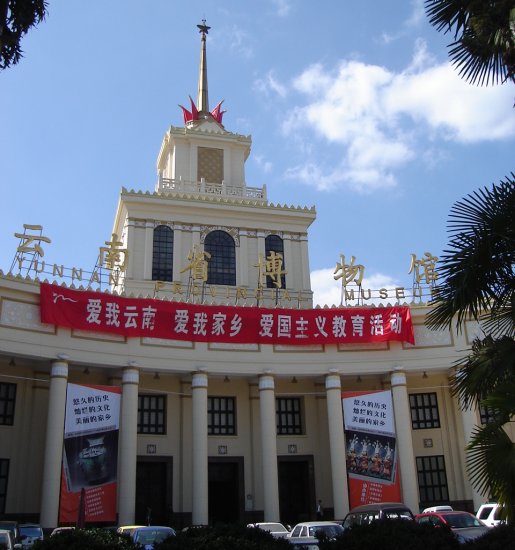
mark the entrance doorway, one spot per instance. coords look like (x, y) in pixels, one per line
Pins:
(225, 490)
(154, 491)
(296, 488)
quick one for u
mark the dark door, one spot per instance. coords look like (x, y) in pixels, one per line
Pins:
(225, 489)
(154, 491)
(296, 489)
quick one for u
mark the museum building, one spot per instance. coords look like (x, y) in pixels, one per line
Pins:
(213, 429)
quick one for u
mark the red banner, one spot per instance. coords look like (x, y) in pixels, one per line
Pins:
(146, 317)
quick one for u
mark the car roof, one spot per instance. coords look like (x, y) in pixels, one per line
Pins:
(313, 523)
(379, 506)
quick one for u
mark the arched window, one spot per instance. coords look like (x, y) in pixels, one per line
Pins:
(162, 254)
(274, 243)
(221, 267)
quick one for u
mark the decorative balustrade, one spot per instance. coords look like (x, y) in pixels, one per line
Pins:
(168, 185)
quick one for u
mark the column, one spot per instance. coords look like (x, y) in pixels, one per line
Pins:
(128, 450)
(333, 390)
(243, 253)
(149, 251)
(289, 263)
(51, 485)
(199, 440)
(305, 262)
(269, 447)
(469, 420)
(179, 260)
(407, 468)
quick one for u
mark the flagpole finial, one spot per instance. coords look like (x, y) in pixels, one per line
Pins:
(203, 99)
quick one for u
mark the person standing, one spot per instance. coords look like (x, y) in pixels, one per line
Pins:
(320, 510)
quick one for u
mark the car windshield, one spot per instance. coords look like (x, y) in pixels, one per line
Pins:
(459, 521)
(274, 527)
(398, 514)
(31, 531)
(151, 536)
(330, 531)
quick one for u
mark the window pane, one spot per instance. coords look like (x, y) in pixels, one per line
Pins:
(220, 418)
(424, 411)
(152, 414)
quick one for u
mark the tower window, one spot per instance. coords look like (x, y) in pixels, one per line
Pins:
(274, 243)
(162, 255)
(7, 403)
(221, 269)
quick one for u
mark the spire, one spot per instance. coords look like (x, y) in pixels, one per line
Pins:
(203, 100)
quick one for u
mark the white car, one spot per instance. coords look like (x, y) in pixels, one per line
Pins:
(438, 509)
(278, 530)
(6, 539)
(330, 529)
(490, 514)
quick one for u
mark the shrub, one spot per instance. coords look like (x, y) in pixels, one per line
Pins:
(85, 539)
(497, 538)
(223, 537)
(393, 534)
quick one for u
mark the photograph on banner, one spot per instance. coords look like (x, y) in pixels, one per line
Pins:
(90, 460)
(370, 445)
(371, 456)
(90, 453)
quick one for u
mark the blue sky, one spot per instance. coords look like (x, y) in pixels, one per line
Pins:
(352, 107)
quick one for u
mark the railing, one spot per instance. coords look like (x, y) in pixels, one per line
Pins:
(167, 185)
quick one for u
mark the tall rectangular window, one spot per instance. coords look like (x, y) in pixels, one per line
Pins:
(7, 403)
(151, 414)
(4, 474)
(221, 416)
(487, 415)
(289, 415)
(432, 479)
(424, 411)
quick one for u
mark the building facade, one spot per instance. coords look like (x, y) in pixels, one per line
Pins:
(218, 431)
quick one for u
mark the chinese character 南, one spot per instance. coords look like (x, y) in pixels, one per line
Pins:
(111, 256)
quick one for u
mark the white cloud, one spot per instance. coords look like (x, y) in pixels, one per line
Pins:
(327, 291)
(382, 120)
(265, 165)
(283, 7)
(269, 85)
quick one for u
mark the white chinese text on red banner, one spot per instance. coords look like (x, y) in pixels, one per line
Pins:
(146, 317)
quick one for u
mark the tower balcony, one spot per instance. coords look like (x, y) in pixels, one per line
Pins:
(204, 188)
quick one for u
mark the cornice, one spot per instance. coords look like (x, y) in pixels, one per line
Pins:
(216, 199)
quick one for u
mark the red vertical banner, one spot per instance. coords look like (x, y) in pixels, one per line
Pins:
(90, 454)
(371, 451)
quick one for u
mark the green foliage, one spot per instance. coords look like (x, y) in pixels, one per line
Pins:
(393, 534)
(484, 37)
(16, 18)
(223, 537)
(498, 538)
(86, 539)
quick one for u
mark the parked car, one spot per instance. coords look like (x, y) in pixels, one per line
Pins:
(30, 533)
(278, 530)
(58, 530)
(6, 539)
(442, 508)
(367, 513)
(13, 526)
(303, 543)
(463, 524)
(330, 529)
(148, 536)
(490, 514)
(128, 529)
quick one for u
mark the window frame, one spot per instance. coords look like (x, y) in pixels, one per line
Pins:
(221, 267)
(4, 479)
(162, 253)
(7, 403)
(154, 427)
(424, 416)
(218, 413)
(274, 243)
(430, 491)
(284, 426)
